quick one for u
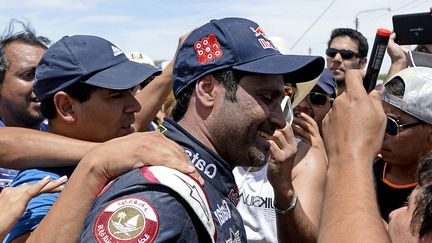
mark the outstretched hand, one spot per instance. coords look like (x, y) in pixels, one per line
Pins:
(14, 200)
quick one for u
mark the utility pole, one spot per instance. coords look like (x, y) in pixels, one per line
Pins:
(356, 21)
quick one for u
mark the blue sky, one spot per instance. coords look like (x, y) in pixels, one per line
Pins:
(153, 27)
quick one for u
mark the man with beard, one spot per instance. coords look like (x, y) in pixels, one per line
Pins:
(229, 84)
(346, 49)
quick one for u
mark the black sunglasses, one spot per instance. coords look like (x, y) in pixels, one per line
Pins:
(393, 125)
(345, 54)
(318, 99)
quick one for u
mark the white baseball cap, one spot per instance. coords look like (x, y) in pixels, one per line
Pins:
(417, 96)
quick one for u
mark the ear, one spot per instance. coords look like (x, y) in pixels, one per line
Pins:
(363, 62)
(205, 90)
(64, 105)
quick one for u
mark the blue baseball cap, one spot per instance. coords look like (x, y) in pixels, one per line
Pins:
(242, 45)
(89, 59)
(327, 82)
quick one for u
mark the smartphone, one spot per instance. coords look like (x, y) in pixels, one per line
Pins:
(415, 28)
(287, 109)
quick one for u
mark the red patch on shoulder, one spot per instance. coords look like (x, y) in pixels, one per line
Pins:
(207, 49)
(129, 219)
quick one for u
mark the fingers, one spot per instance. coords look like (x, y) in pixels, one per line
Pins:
(354, 83)
(55, 186)
(283, 144)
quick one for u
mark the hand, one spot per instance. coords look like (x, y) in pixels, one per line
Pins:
(117, 156)
(355, 126)
(396, 52)
(307, 130)
(14, 200)
(283, 149)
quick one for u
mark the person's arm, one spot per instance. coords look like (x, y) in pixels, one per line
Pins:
(293, 226)
(95, 170)
(151, 98)
(13, 200)
(398, 56)
(353, 132)
(22, 148)
(153, 95)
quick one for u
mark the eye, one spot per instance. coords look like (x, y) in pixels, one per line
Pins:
(28, 75)
(117, 95)
(267, 99)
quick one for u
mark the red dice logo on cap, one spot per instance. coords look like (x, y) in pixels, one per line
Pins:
(207, 49)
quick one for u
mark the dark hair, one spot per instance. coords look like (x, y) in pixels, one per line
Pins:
(362, 43)
(27, 36)
(422, 217)
(78, 90)
(229, 79)
(422, 48)
(396, 87)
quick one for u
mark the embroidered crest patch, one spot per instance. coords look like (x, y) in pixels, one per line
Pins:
(207, 49)
(128, 219)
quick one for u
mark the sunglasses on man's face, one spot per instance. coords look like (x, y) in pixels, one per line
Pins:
(318, 99)
(393, 125)
(345, 53)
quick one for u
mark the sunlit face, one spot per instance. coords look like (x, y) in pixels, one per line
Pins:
(107, 114)
(242, 128)
(18, 104)
(400, 150)
(337, 64)
(399, 227)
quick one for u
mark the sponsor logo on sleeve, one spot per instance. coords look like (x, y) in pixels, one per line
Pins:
(127, 220)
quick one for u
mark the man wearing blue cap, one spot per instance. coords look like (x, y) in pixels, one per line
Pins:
(229, 83)
(318, 101)
(84, 84)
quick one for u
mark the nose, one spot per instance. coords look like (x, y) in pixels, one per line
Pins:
(277, 117)
(303, 105)
(132, 104)
(393, 213)
(337, 58)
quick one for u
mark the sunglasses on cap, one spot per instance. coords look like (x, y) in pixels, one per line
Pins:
(318, 99)
(393, 125)
(345, 53)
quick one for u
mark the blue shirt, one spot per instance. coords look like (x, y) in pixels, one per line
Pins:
(7, 175)
(39, 206)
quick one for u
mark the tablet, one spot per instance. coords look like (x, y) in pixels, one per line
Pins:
(413, 28)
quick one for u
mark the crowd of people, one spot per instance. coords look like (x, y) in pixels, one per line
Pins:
(230, 141)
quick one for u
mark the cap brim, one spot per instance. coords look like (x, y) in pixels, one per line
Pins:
(295, 68)
(302, 90)
(122, 76)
